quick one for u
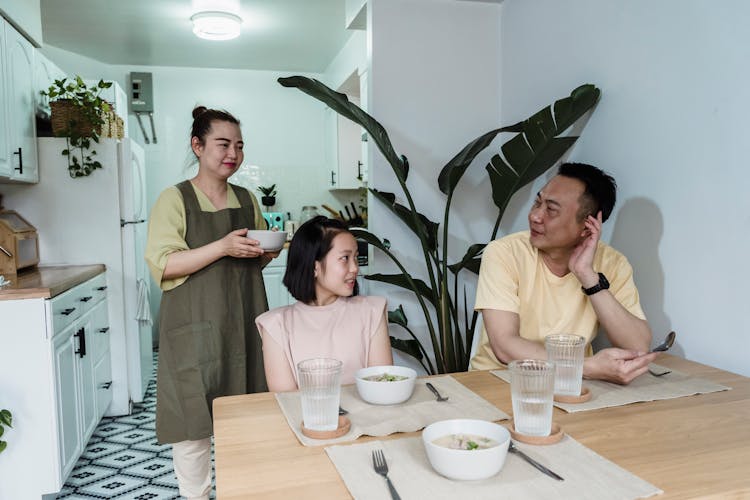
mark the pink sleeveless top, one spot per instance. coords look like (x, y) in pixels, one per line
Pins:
(341, 330)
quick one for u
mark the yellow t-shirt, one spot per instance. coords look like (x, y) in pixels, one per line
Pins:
(167, 229)
(514, 278)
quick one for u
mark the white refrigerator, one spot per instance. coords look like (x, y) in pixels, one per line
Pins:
(96, 219)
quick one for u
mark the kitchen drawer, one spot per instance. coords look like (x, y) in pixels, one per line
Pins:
(103, 384)
(97, 288)
(100, 332)
(65, 308)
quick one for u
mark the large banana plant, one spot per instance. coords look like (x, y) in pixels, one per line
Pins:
(536, 146)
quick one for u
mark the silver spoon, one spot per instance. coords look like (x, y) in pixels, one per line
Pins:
(664, 346)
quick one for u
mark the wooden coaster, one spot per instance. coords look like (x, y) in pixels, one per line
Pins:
(554, 436)
(343, 428)
(585, 396)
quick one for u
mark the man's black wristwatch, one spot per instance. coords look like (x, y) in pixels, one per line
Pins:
(602, 285)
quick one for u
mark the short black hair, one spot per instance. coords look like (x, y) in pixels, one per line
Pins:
(310, 244)
(600, 189)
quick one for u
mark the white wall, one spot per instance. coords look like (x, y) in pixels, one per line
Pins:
(671, 127)
(433, 84)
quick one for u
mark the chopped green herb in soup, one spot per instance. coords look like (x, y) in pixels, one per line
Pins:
(385, 377)
(465, 442)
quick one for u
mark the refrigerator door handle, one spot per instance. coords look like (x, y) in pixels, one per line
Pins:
(124, 222)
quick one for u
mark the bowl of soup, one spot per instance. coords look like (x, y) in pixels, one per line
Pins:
(385, 385)
(270, 241)
(466, 449)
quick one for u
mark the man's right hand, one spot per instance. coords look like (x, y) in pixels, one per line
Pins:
(620, 366)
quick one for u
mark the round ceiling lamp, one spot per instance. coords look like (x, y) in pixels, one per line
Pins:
(213, 25)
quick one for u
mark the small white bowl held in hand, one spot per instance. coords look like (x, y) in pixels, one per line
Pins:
(466, 464)
(270, 241)
(385, 392)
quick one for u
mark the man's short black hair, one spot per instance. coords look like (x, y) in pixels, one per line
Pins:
(311, 243)
(600, 189)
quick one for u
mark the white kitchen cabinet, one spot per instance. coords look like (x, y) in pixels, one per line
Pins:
(18, 122)
(56, 359)
(45, 74)
(344, 151)
(5, 168)
(273, 274)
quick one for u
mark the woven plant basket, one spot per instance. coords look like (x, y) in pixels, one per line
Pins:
(63, 113)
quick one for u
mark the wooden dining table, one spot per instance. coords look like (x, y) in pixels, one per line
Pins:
(690, 447)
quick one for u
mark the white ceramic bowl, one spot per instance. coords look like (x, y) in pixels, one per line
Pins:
(385, 393)
(270, 241)
(466, 464)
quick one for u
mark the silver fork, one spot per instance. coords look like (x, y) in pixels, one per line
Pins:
(381, 467)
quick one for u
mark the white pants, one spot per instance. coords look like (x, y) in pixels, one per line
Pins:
(192, 466)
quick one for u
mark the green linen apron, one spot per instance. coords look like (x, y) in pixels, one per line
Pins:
(209, 345)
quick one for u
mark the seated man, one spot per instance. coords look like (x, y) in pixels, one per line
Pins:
(559, 278)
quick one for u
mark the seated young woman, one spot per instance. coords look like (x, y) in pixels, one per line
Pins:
(328, 320)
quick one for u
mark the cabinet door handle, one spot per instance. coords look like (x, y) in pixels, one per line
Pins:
(106, 385)
(103, 330)
(333, 178)
(20, 160)
(359, 170)
(81, 334)
(86, 299)
(101, 288)
(6, 252)
(66, 312)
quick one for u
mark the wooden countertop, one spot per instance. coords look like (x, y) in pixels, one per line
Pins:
(691, 447)
(46, 282)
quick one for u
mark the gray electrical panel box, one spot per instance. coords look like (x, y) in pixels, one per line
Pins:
(141, 93)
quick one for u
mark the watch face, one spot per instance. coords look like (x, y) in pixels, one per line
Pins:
(603, 283)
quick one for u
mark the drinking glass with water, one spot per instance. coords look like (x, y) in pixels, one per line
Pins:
(566, 352)
(532, 382)
(320, 391)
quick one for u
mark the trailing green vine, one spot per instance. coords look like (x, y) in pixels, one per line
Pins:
(83, 112)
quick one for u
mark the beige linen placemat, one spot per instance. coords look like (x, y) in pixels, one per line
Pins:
(414, 414)
(587, 475)
(644, 388)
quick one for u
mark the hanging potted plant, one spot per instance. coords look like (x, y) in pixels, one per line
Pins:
(81, 116)
(269, 195)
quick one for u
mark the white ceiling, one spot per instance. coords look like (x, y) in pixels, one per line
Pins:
(281, 35)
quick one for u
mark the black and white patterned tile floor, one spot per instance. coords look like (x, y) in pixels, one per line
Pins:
(123, 460)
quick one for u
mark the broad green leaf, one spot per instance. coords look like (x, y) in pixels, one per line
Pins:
(424, 226)
(398, 317)
(410, 347)
(533, 151)
(3, 445)
(468, 260)
(452, 172)
(6, 418)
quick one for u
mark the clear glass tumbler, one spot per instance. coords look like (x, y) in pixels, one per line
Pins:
(320, 390)
(532, 382)
(566, 351)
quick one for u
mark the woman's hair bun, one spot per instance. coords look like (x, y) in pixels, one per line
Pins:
(199, 110)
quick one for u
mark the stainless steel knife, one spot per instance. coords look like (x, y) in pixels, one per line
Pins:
(512, 448)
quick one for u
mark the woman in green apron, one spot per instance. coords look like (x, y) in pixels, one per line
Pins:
(210, 275)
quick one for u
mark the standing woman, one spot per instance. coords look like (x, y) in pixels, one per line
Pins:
(210, 275)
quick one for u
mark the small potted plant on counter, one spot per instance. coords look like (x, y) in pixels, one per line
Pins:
(269, 195)
(81, 116)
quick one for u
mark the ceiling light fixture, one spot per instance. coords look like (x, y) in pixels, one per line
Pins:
(213, 25)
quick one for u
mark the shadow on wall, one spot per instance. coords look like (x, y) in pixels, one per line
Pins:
(637, 232)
